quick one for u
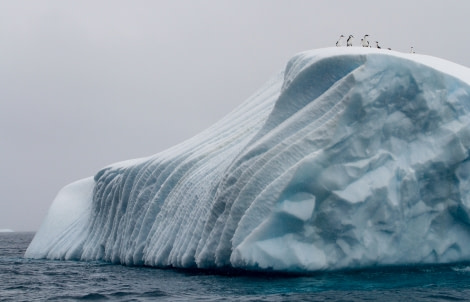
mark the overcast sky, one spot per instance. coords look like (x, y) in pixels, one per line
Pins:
(84, 84)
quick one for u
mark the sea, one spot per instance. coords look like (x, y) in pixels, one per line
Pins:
(24, 279)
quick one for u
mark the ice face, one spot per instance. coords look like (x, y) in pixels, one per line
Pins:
(348, 158)
(64, 229)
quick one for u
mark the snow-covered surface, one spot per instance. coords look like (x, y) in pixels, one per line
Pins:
(350, 157)
(63, 230)
(6, 231)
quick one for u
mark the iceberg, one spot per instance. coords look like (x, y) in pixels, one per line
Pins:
(349, 158)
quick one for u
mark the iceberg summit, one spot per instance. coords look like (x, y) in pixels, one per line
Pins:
(349, 158)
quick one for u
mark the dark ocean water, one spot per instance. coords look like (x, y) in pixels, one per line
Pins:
(44, 280)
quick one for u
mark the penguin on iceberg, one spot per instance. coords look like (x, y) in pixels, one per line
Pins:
(339, 43)
(364, 41)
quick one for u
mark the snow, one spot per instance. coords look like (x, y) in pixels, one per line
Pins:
(6, 231)
(349, 158)
(60, 235)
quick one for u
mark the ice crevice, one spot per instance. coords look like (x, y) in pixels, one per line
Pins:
(348, 158)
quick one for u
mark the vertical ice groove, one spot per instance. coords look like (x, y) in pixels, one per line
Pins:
(310, 143)
(233, 179)
(289, 147)
(300, 145)
(159, 253)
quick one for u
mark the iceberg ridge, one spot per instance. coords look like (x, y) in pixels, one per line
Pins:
(348, 158)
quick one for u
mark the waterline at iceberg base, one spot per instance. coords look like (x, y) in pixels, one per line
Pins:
(349, 158)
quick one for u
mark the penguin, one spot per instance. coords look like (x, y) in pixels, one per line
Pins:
(364, 41)
(412, 50)
(349, 42)
(339, 43)
(377, 44)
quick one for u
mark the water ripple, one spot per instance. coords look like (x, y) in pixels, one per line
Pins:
(46, 280)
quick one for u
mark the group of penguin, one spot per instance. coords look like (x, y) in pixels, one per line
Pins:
(364, 42)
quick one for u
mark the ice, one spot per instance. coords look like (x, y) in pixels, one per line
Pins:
(349, 158)
(62, 232)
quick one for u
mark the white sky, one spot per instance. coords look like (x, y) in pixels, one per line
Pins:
(84, 84)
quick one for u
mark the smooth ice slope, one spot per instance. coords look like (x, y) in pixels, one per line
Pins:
(350, 158)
